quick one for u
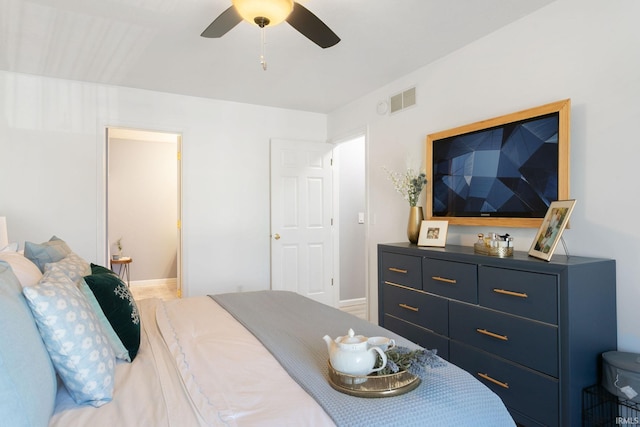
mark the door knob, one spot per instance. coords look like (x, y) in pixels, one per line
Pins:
(276, 236)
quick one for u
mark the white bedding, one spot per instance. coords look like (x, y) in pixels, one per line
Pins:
(149, 378)
(232, 378)
(198, 366)
(215, 385)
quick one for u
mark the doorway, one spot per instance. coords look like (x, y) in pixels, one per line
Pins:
(143, 207)
(351, 231)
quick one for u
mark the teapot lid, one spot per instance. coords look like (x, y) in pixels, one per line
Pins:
(351, 338)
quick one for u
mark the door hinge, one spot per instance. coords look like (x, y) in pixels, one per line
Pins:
(179, 155)
(332, 281)
(179, 224)
(331, 221)
(331, 163)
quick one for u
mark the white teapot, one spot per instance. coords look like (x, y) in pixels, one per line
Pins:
(351, 355)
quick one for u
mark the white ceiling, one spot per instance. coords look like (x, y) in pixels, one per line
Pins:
(156, 45)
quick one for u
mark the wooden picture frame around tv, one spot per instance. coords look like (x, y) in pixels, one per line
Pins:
(493, 130)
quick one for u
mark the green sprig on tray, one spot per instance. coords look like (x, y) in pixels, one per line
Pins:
(414, 361)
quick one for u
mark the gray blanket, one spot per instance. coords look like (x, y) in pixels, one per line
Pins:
(291, 327)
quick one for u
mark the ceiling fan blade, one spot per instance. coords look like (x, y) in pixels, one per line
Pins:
(311, 26)
(222, 24)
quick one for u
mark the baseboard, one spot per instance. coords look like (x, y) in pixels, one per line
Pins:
(155, 282)
(354, 301)
(356, 306)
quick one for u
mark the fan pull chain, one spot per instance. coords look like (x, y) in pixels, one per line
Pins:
(263, 60)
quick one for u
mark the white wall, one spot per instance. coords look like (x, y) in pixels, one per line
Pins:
(52, 148)
(583, 50)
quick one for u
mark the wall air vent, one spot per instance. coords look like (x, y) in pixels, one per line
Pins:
(396, 103)
(403, 100)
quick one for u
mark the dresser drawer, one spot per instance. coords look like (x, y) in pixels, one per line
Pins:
(401, 269)
(527, 294)
(533, 344)
(450, 279)
(418, 335)
(428, 311)
(519, 388)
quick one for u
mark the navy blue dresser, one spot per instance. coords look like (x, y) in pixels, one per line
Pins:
(531, 330)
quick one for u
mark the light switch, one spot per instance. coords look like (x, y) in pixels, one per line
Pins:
(360, 217)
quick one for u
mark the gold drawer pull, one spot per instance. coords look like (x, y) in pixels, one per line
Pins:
(492, 334)
(408, 307)
(398, 270)
(443, 279)
(511, 293)
(488, 378)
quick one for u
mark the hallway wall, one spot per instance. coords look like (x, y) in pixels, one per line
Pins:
(143, 204)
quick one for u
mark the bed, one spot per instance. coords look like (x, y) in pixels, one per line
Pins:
(242, 359)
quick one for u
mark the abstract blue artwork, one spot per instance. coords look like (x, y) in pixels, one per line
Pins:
(509, 170)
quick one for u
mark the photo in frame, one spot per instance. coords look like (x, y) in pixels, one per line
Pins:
(550, 231)
(433, 233)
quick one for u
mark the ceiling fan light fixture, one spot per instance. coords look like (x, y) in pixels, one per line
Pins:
(275, 11)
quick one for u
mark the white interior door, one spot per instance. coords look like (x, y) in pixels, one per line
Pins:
(301, 218)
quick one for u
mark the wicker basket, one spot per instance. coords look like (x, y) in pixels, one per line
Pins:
(373, 385)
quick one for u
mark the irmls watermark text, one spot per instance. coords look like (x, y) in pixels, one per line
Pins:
(622, 421)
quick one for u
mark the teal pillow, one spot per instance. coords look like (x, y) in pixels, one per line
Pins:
(27, 378)
(119, 307)
(98, 269)
(114, 340)
(41, 253)
(76, 343)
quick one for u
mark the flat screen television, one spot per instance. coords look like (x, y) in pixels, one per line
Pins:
(504, 171)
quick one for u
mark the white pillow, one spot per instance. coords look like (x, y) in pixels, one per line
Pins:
(72, 334)
(25, 270)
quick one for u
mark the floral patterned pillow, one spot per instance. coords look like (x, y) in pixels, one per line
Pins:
(73, 337)
(72, 265)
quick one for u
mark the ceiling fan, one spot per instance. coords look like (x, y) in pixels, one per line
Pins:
(272, 12)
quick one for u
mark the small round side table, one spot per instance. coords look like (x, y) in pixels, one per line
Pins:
(123, 267)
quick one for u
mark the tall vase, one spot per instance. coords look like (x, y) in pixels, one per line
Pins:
(415, 220)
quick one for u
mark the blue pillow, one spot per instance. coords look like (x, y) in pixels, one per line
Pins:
(41, 253)
(76, 343)
(27, 378)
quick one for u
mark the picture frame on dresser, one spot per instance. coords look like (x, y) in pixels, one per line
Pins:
(550, 231)
(433, 233)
